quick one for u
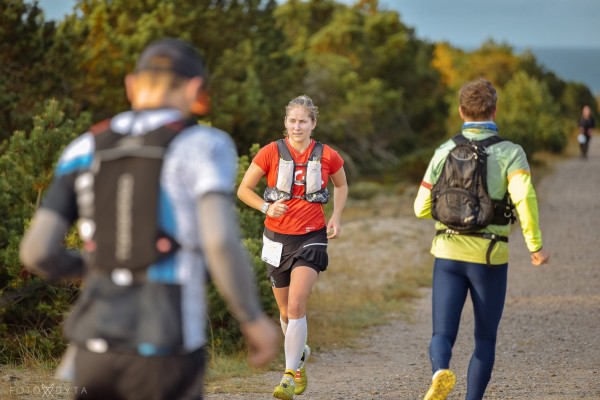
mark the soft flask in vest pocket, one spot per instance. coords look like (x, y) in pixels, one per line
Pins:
(285, 180)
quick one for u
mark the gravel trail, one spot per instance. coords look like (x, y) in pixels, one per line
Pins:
(549, 339)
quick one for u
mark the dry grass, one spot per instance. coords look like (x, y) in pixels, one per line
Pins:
(31, 383)
(33, 379)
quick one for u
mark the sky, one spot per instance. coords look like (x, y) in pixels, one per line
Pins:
(520, 23)
(469, 23)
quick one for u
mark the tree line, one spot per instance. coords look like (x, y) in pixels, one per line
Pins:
(386, 99)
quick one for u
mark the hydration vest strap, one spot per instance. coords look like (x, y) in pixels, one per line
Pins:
(283, 150)
(317, 151)
(492, 237)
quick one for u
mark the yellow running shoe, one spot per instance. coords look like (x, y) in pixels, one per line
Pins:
(285, 390)
(301, 379)
(441, 385)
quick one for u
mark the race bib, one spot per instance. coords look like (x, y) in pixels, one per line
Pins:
(271, 252)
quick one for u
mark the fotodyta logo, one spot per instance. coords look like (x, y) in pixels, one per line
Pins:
(45, 391)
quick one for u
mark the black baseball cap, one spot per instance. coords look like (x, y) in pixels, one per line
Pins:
(173, 55)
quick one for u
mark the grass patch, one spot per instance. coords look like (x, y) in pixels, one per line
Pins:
(339, 317)
(31, 382)
(31, 352)
(221, 366)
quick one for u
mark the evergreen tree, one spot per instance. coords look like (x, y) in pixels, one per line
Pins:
(25, 77)
(30, 309)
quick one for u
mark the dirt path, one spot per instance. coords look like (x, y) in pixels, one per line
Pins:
(549, 338)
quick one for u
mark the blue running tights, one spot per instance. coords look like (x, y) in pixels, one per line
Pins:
(452, 280)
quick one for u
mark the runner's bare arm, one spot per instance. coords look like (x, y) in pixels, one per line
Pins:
(340, 195)
(247, 194)
(246, 191)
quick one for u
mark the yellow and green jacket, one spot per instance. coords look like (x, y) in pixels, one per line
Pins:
(507, 169)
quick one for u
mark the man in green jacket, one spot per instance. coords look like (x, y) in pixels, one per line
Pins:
(472, 263)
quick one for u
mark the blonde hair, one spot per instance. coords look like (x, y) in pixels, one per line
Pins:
(307, 103)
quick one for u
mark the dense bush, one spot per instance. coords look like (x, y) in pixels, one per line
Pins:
(530, 116)
(365, 190)
(31, 310)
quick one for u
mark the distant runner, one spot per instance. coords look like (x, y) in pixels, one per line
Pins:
(586, 124)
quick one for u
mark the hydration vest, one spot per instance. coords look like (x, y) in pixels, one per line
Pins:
(460, 198)
(118, 201)
(313, 192)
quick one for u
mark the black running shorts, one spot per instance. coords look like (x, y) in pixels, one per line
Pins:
(308, 250)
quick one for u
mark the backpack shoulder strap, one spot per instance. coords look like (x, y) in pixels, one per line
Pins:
(459, 138)
(283, 150)
(490, 141)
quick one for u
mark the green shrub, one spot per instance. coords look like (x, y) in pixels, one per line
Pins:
(530, 116)
(413, 166)
(364, 190)
(31, 310)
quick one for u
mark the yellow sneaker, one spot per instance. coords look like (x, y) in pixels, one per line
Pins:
(285, 390)
(301, 380)
(442, 384)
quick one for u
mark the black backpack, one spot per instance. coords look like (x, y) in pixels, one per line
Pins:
(119, 199)
(460, 198)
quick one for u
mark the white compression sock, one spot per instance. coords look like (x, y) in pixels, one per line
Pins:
(295, 339)
(283, 326)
